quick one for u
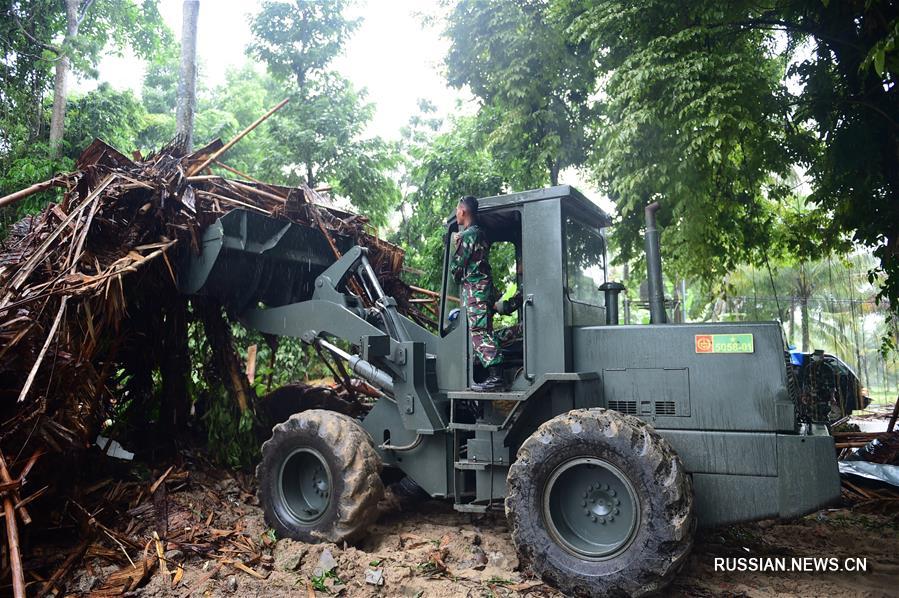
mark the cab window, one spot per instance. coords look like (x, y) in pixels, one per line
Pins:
(584, 262)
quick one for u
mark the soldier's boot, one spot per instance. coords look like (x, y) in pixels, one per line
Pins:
(493, 383)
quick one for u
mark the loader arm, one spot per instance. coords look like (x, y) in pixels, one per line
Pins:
(248, 259)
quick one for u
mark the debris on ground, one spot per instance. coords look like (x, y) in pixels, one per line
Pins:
(89, 306)
(869, 466)
(213, 533)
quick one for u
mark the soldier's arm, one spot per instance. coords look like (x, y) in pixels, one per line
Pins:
(508, 306)
(460, 256)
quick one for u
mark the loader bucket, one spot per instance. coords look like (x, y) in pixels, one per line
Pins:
(247, 258)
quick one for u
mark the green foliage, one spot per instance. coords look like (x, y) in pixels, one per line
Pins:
(23, 167)
(30, 35)
(694, 116)
(533, 83)
(25, 75)
(299, 39)
(320, 582)
(116, 117)
(293, 360)
(160, 87)
(112, 25)
(444, 167)
(824, 303)
(245, 95)
(319, 136)
(231, 434)
(710, 106)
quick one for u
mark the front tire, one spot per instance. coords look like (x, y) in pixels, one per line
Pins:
(600, 505)
(319, 478)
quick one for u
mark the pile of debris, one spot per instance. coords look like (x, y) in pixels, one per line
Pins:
(63, 275)
(88, 293)
(869, 466)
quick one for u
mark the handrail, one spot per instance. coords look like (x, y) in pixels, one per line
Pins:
(529, 300)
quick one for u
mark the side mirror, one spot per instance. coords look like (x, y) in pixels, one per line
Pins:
(452, 319)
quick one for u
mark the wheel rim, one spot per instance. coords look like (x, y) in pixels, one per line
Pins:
(591, 508)
(304, 485)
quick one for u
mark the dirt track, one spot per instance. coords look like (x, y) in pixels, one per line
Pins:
(429, 550)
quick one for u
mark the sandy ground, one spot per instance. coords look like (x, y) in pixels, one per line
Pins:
(428, 550)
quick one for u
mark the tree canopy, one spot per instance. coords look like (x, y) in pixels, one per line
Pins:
(768, 132)
(319, 137)
(533, 83)
(710, 106)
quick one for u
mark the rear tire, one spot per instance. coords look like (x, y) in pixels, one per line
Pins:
(600, 505)
(319, 478)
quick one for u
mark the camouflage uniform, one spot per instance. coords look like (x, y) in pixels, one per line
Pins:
(508, 336)
(471, 268)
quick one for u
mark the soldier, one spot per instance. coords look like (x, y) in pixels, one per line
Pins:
(471, 268)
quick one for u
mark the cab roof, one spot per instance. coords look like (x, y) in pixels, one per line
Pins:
(568, 194)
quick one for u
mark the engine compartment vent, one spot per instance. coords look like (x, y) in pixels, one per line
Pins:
(666, 408)
(626, 407)
(648, 392)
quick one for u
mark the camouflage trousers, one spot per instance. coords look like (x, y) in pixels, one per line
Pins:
(508, 336)
(480, 329)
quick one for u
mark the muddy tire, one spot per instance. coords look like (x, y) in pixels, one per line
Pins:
(600, 505)
(319, 479)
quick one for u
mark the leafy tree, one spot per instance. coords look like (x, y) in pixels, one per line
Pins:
(21, 167)
(245, 95)
(36, 39)
(301, 38)
(441, 169)
(827, 304)
(24, 76)
(533, 84)
(114, 116)
(319, 136)
(693, 116)
(159, 91)
(709, 105)
(24, 79)
(86, 28)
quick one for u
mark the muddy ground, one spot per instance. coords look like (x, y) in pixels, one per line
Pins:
(427, 549)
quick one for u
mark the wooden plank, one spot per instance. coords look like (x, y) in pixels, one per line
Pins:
(12, 198)
(12, 536)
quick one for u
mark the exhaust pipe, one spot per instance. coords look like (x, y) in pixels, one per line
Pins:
(657, 313)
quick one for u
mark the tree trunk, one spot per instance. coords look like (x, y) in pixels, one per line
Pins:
(553, 167)
(175, 367)
(60, 85)
(792, 324)
(803, 311)
(224, 355)
(187, 84)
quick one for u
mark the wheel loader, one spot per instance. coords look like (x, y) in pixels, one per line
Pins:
(610, 446)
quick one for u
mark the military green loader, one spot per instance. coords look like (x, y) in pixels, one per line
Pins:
(610, 446)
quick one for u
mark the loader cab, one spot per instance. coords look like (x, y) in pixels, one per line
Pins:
(549, 244)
